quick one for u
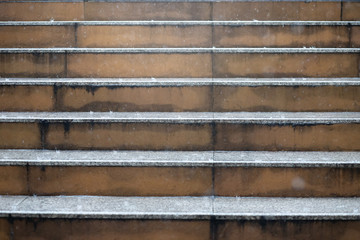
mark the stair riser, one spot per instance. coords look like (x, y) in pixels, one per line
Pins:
(275, 230)
(287, 182)
(172, 136)
(186, 98)
(179, 36)
(35, 228)
(106, 181)
(180, 181)
(124, 99)
(301, 11)
(93, 229)
(179, 65)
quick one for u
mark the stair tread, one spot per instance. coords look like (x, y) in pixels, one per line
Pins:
(180, 23)
(186, 117)
(183, 81)
(179, 158)
(303, 50)
(180, 207)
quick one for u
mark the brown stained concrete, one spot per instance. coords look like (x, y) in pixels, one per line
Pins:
(286, 65)
(32, 65)
(5, 229)
(284, 11)
(102, 11)
(139, 65)
(26, 98)
(41, 11)
(13, 181)
(289, 98)
(355, 36)
(19, 135)
(90, 229)
(144, 36)
(129, 99)
(37, 36)
(131, 136)
(287, 182)
(275, 230)
(248, 137)
(120, 181)
(281, 36)
(351, 11)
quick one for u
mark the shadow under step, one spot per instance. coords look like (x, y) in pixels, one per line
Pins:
(179, 62)
(189, 217)
(274, 131)
(181, 94)
(174, 173)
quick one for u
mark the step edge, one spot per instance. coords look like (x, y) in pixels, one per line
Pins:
(173, 82)
(278, 118)
(180, 23)
(95, 158)
(214, 50)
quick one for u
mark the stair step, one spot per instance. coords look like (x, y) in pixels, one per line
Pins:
(222, 208)
(189, 217)
(180, 34)
(179, 94)
(147, 173)
(179, 10)
(179, 62)
(13, 157)
(333, 131)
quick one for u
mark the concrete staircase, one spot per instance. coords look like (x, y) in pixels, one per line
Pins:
(179, 119)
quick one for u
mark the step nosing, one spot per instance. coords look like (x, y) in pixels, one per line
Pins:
(160, 82)
(175, 50)
(265, 159)
(180, 207)
(180, 23)
(186, 117)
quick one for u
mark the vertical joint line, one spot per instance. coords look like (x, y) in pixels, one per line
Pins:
(341, 10)
(43, 125)
(27, 179)
(66, 62)
(212, 228)
(76, 35)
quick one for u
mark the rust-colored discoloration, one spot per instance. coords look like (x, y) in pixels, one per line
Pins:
(274, 230)
(283, 11)
(248, 137)
(281, 36)
(41, 11)
(26, 98)
(144, 36)
(131, 136)
(128, 99)
(37, 36)
(139, 65)
(287, 182)
(351, 11)
(286, 65)
(91, 229)
(5, 229)
(32, 65)
(13, 180)
(355, 36)
(289, 98)
(104, 11)
(120, 181)
(19, 135)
